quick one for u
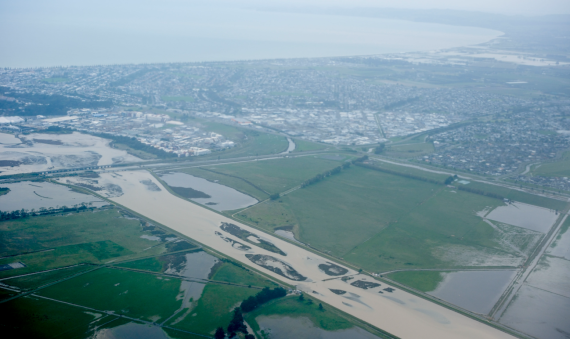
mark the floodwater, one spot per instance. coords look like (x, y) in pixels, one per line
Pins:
(288, 235)
(561, 247)
(526, 216)
(9, 139)
(73, 150)
(539, 313)
(303, 328)
(291, 147)
(476, 291)
(224, 197)
(198, 265)
(131, 331)
(35, 195)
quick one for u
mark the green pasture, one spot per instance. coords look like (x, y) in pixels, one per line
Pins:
(410, 170)
(305, 146)
(560, 168)
(138, 295)
(515, 195)
(32, 317)
(30, 282)
(425, 281)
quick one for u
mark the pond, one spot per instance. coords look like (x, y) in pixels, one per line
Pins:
(131, 331)
(303, 328)
(476, 291)
(202, 191)
(531, 217)
(35, 195)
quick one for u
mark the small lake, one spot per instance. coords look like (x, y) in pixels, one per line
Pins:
(131, 331)
(303, 328)
(476, 291)
(198, 265)
(35, 195)
(527, 216)
(222, 198)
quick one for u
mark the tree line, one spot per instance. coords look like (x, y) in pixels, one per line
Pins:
(405, 175)
(481, 192)
(237, 323)
(334, 171)
(23, 213)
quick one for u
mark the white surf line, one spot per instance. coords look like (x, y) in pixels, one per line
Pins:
(399, 313)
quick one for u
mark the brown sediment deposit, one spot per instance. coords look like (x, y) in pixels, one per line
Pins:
(403, 314)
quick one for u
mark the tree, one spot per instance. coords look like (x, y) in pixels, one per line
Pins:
(249, 336)
(237, 325)
(301, 297)
(379, 149)
(274, 196)
(321, 307)
(220, 334)
(449, 180)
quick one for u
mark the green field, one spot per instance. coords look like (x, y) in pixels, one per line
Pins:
(96, 237)
(519, 196)
(382, 222)
(262, 178)
(33, 281)
(305, 146)
(135, 294)
(32, 317)
(425, 281)
(409, 150)
(560, 168)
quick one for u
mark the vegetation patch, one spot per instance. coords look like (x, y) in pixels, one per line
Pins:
(251, 238)
(189, 193)
(425, 281)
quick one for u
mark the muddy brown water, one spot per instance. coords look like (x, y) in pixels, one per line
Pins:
(225, 198)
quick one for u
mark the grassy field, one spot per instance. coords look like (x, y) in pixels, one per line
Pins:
(271, 176)
(135, 294)
(410, 170)
(86, 237)
(32, 317)
(304, 146)
(30, 282)
(519, 196)
(344, 210)
(560, 168)
(237, 275)
(381, 222)
(409, 150)
(425, 281)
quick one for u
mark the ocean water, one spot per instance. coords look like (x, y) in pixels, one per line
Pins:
(64, 32)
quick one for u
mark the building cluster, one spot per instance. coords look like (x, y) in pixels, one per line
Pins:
(502, 147)
(156, 130)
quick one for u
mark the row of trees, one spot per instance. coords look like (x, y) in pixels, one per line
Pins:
(262, 297)
(405, 175)
(237, 323)
(23, 213)
(481, 192)
(323, 175)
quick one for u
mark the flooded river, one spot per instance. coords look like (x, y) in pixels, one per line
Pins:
(222, 198)
(35, 195)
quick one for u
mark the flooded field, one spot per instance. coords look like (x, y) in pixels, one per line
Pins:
(131, 331)
(553, 275)
(215, 196)
(8, 139)
(198, 265)
(539, 313)
(523, 215)
(35, 195)
(43, 152)
(476, 291)
(561, 247)
(383, 306)
(303, 328)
